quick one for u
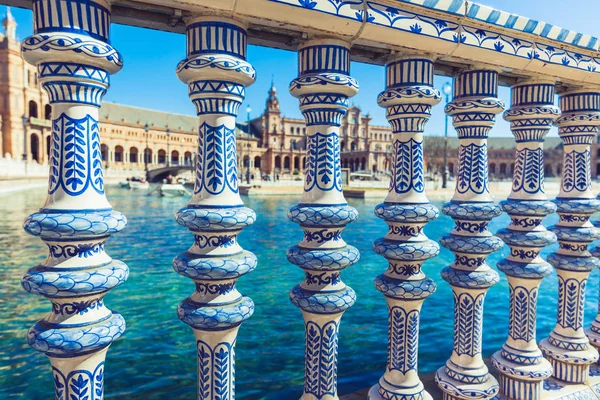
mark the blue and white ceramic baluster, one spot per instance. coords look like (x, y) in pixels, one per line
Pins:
(567, 347)
(473, 109)
(70, 47)
(408, 98)
(323, 87)
(520, 363)
(216, 72)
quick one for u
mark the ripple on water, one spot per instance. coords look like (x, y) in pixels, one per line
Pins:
(156, 359)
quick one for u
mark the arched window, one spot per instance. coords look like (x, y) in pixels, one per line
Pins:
(118, 154)
(352, 146)
(451, 168)
(363, 163)
(174, 157)
(162, 156)
(35, 147)
(187, 158)
(257, 162)
(133, 155)
(502, 168)
(303, 162)
(286, 162)
(148, 156)
(246, 162)
(277, 162)
(293, 144)
(492, 168)
(48, 111)
(48, 140)
(104, 152)
(33, 109)
(296, 162)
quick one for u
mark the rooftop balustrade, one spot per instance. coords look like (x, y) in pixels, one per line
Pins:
(415, 39)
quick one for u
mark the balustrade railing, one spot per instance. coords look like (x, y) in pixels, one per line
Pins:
(70, 47)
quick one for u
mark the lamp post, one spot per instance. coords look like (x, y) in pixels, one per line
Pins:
(25, 123)
(447, 89)
(168, 148)
(248, 111)
(146, 129)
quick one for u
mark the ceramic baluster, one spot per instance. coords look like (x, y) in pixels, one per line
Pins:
(520, 363)
(408, 99)
(70, 47)
(216, 72)
(323, 87)
(567, 347)
(473, 109)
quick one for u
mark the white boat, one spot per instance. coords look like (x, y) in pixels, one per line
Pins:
(172, 190)
(139, 185)
(124, 184)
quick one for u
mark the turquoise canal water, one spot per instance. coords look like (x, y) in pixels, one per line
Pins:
(155, 359)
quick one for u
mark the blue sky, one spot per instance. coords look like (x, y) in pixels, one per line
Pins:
(148, 77)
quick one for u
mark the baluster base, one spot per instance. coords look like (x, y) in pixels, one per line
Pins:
(486, 388)
(524, 378)
(570, 366)
(386, 391)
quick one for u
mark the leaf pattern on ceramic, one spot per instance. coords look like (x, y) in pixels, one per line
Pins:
(528, 174)
(404, 337)
(323, 165)
(576, 172)
(215, 371)
(407, 173)
(473, 169)
(468, 323)
(75, 157)
(320, 359)
(216, 167)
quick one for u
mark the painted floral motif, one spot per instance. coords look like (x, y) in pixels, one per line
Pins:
(216, 168)
(407, 173)
(321, 359)
(473, 169)
(75, 158)
(574, 177)
(323, 168)
(468, 323)
(528, 174)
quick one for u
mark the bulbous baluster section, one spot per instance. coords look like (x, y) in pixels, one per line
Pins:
(520, 363)
(568, 348)
(216, 72)
(323, 87)
(474, 110)
(74, 62)
(408, 98)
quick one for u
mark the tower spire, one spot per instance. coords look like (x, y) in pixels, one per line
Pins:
(272, 100)
(10, 25)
